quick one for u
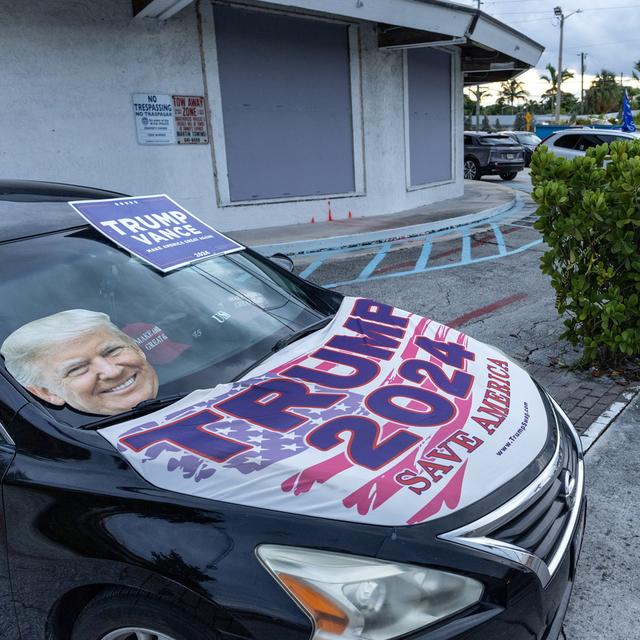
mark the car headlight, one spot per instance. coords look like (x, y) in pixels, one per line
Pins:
(355, 597)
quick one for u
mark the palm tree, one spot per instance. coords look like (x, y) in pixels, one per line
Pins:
(636, 71)
(513, 90)
(552, 79)
(532, 106)
(604, 94)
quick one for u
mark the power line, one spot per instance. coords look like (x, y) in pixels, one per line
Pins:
(532, 20)
(520, 13)
(603, 44)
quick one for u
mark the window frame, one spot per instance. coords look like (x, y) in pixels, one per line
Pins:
(218, 139)
(455, 99)
(568, 135)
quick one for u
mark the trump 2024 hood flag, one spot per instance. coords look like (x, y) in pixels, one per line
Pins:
(382, 417)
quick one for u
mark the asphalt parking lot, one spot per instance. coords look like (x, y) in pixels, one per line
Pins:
(485, 280)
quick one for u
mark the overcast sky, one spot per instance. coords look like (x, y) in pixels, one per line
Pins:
(608, 31)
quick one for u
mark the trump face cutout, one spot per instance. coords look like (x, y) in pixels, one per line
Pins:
(100, 372)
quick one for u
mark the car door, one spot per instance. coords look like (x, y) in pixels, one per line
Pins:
(8, 622)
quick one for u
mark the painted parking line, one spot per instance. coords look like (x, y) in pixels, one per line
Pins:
(465, 257)
(470, 235)
(439, 267)
(423, 258)
(486, 310)
(425, 254)
(374, 262)
(502, 247)
(305, 273)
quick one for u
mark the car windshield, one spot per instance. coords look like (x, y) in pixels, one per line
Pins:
(528, 138)
(497, 140)
(197, 326)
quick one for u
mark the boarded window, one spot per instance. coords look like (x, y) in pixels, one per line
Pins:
(286, 103)
(430, 108)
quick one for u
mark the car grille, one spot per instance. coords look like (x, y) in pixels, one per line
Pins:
(539, 528)
(533, 530)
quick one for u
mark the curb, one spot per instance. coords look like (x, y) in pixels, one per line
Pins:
(299, 247)
(606, 418)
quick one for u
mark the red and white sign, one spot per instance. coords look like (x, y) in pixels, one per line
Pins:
(190, 116)
(383, 417)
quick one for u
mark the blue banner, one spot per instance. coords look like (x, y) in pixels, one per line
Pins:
(156, 229)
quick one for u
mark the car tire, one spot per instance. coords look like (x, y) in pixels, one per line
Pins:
(509, 176)
(471, 169)
(127, 614)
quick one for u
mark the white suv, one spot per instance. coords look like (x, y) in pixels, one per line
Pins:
(572, 143)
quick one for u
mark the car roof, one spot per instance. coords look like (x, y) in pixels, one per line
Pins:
(30, 207)
(483, 134)
(615, 132)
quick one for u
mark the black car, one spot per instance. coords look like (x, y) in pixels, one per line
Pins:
(444, 501)
(490, 154)
(529, 142)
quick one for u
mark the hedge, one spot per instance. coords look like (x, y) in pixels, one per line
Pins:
(589, 217)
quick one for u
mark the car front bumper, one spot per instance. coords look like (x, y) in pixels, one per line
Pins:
(536, 595)
(530, 612)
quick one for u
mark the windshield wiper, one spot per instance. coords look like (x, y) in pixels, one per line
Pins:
(142, 408)
(305, 331)
(283, 342)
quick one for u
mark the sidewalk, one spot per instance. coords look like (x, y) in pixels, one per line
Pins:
(606, 596)
(480, 201)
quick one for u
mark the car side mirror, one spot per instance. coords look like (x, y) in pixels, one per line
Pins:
(283, 261)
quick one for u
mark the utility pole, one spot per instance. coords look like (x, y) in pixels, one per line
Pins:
(480, 3)
(583, 55)
(559, 14)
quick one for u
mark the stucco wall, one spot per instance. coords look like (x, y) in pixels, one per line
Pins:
(68, 70)
(70, 67)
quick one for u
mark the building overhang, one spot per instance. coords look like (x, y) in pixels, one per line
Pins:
(491, 50)
(158, 9)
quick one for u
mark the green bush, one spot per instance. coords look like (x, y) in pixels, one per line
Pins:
(589, 216)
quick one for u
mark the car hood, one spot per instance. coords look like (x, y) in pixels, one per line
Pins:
(383, 416)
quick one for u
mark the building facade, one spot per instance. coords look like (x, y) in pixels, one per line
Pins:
(249, 114)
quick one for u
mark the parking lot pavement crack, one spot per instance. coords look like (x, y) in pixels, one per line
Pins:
(530, 352)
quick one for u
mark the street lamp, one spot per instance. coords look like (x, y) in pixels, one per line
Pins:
(557, 11)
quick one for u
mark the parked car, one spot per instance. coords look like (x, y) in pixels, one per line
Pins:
(573, 143)
(491, 154)
(227, 451)
(529, 142)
